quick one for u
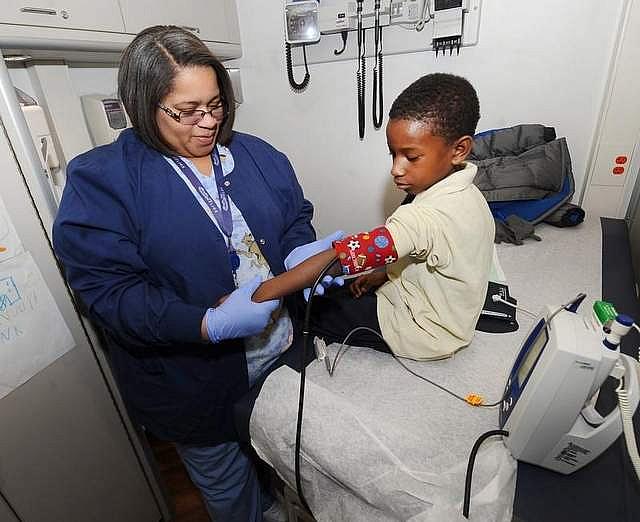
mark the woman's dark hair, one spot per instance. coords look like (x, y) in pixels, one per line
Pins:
(148, 69)
(448, 103)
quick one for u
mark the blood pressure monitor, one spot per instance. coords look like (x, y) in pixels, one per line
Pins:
(547, 405)
(301, 21)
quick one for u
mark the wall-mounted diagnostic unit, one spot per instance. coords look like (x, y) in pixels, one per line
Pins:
(301, 22)
(443, 26)
(410, 26)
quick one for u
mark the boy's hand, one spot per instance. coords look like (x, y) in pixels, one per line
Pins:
(368, 282)
(303, 252)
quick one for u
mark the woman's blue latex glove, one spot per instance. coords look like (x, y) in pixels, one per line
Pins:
(238, 315)
(304, 252)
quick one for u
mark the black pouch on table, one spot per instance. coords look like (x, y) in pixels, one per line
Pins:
(497, 317)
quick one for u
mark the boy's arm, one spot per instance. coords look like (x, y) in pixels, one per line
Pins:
(300, 277)
(357, 254)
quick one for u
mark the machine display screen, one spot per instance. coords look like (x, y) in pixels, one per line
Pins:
(532, 355)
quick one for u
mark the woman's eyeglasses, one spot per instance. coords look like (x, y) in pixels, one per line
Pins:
(193, 117)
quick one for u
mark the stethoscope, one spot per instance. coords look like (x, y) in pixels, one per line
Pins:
(360, 74)
(377, 70)
(378, 103)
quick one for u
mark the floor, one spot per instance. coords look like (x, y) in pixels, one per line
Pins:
(183, 496)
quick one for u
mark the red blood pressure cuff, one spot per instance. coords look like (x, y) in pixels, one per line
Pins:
(361, 252)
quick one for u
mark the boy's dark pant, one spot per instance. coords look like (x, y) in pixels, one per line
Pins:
(336, 313)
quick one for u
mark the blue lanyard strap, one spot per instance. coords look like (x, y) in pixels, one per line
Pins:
(222, 213)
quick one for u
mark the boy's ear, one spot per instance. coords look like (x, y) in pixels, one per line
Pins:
(461, 149)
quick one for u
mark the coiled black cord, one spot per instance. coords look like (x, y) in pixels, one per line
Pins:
(378, 103)
(361, 75)
(472, 459)
(361, 93)
(378, 108)
(292, 81)
(303, 376)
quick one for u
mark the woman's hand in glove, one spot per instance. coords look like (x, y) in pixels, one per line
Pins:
(238, 316)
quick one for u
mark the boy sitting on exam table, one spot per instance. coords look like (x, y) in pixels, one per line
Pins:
(437, 249)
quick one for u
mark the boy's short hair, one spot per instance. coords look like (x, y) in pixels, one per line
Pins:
(448, 103)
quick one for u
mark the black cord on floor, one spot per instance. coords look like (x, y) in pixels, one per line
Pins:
(472, 459)
(11, 508)
(303, 376)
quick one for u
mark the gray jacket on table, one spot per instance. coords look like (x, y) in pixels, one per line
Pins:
(521, 162)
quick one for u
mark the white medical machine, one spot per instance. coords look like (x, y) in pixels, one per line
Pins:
(548, 402)
(105, 116)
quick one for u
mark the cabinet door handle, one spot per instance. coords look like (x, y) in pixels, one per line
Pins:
(38, 10)
(192, 29)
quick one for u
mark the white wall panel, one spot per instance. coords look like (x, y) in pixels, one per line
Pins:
(536, 62)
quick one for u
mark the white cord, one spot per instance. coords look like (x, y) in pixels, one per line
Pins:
(562, 307)
(627, 427)
(497, 299)
(332, 367)
(426, 9)
(637, 328)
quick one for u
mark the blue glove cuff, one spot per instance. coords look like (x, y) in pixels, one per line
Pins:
(210, 319)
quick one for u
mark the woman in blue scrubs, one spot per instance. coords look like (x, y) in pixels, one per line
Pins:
(155, 228)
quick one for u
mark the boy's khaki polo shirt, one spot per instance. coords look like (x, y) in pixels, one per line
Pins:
(429, 307)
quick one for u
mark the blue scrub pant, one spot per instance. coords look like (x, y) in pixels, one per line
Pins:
(227, 480)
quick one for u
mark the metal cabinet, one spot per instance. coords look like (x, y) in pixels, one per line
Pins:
(211, 20)
(102, 15)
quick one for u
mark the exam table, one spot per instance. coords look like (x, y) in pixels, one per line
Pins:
(379, 444)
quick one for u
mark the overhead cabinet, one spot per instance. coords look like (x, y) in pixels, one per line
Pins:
(103, 15)
(212, 20)
(98, 30)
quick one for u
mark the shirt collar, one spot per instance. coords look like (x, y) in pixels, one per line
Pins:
(226, 158)
(454, 182)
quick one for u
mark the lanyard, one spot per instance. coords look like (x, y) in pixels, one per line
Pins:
(222, 213)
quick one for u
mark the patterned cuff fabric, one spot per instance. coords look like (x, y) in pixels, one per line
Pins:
(362, 252)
